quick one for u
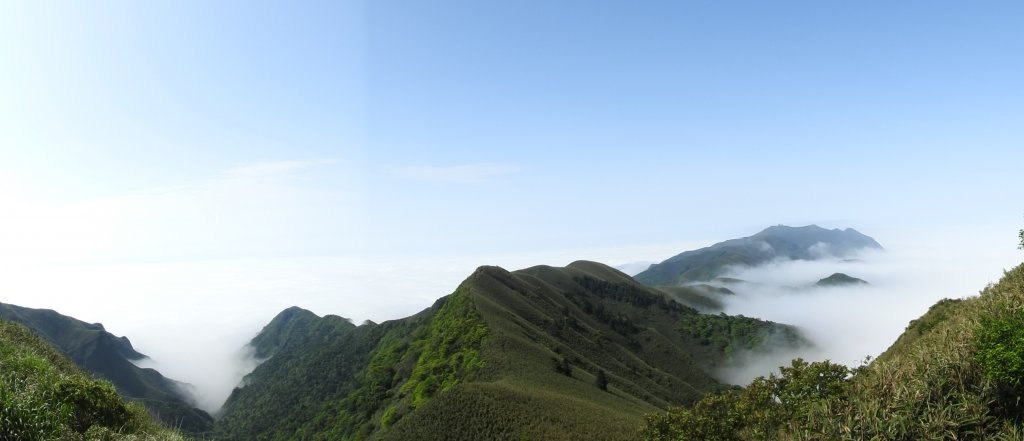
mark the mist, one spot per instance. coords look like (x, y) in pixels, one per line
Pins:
(849, 323)
(194, 318)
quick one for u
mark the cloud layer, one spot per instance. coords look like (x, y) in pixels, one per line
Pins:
(849, 323)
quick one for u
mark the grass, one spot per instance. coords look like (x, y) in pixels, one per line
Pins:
(43, 396)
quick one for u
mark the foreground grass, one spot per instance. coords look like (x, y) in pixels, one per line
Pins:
(43, 396)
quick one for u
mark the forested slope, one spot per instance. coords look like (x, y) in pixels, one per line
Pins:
(580, 352)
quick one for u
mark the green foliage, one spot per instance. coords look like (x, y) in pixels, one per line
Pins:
(43, 397)
(731, 333)
(508, 356)
(106, 356)
(757, 412)
(450, 351)
(1000, 349)
(502, 411)
(331, 380)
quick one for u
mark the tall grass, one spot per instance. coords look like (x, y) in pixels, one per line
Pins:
(45, 397)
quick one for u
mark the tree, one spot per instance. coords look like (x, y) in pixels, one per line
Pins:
(601, 381)
(1021, 235)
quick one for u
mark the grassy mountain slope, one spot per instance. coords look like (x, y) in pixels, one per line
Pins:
(44, 396)
(955, 373)
(101, 353)
(806, 243)
(508, 355)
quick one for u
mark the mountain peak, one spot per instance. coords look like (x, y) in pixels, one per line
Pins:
(809, 242)
(277, 333)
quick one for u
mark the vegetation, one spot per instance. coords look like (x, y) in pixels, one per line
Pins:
(580, 352)
(329, 379)
(728, 334)
(106, 356)
(954, 374)
(758, 411)
(43, 396)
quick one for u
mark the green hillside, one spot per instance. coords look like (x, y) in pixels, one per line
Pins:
(955, 373)
(109, 357)
(44, 396)
(840, 279)
(580, 352)
(778, 242)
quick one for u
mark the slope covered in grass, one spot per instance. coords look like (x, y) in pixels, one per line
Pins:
(43, 396)
(956, 373)
(107, 356)
(507, 356)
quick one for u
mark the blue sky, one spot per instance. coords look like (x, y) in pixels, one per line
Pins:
(227, 159)
(468, 126)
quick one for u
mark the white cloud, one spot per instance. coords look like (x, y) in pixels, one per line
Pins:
(249, 211)
(849, 323)
(461, 174)
(277, 168)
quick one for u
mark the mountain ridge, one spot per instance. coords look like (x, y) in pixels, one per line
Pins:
(537, 338)
(778, 242)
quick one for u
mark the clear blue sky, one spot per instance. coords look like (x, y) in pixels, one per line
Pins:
(458, 126)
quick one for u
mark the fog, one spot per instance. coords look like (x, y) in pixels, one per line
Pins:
(193, 318)
(848, 323)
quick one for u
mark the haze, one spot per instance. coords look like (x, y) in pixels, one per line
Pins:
(183, 171)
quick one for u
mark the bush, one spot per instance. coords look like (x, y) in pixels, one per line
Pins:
(1000, 349)
(758, 411)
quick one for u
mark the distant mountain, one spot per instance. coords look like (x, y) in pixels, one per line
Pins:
(778, 242)
(840, 279)
(507, 356)
(101, 353)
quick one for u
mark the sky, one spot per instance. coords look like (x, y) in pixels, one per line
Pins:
(173, 166)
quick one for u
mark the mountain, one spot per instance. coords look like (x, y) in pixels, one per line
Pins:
(44, 396)
(109, 357)
(840, 279)
(778, 242)
(955, 373)
(579, 352)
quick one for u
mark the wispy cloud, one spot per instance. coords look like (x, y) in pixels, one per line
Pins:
(460, 174)
(275, 168)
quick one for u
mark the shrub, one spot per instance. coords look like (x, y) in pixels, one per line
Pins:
(1000, 349)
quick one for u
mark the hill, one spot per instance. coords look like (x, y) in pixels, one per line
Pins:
(109, 357)
(580, 352)
(955, 373)
(778, 242)
(840, 279)
(44, 396)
